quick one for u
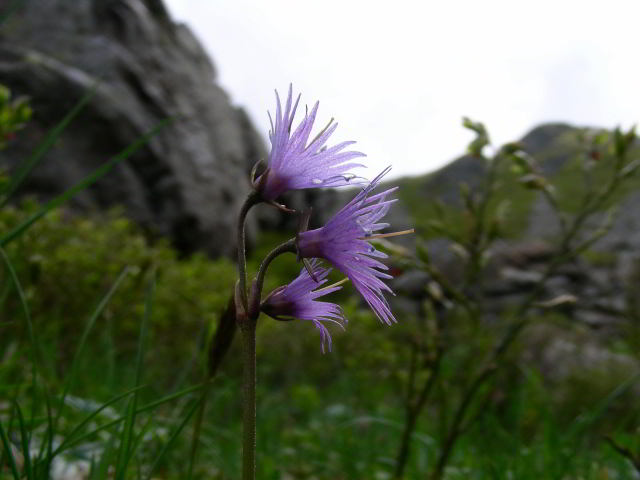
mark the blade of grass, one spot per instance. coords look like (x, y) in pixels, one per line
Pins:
(48, 443)
(102, 471)
(144, 430)
(91, 416)
(144, 408)
(24, 435)
(83, 184)
(148, 425)
(9, 454)
(122, 455)
(110, 353)
(168, 398)
(23, 172)
(174, 436)
(126, 445)
(92, 466)
(23, 304)
(584, 421)
(195, 440)
(83, 340)
(6, 290)
(217, 348)
(30, 331)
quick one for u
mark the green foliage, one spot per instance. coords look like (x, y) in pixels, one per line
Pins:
(510, 205)
(338, 415)
(463, 352)
(482, 136)
(9, 187)
(577, 159)
(66, 263)
(14, 114)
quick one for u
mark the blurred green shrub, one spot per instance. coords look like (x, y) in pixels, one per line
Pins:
(14, 114)
(66, 264)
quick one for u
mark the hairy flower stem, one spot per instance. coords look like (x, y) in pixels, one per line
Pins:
(248, 328)
(256, 289)
(246, 319)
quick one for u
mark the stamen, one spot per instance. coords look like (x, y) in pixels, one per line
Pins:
(387, 235)
(293, 113)
(344, 280)
(347, 177)
(321, 133)
(281, 207)
(309, 267)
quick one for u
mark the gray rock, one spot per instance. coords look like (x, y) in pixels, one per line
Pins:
(561, 354)
(543, 137)
(189, 181)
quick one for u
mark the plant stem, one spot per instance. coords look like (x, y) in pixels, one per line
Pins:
(565, 253)
(248, 328)
(247, 321)
(413, 411)
(455, 429)
(252, 199)
(256, 291)
(405, 443)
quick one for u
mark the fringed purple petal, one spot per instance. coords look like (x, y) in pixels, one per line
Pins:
(343, 242)
(298, 300)
(297, 163)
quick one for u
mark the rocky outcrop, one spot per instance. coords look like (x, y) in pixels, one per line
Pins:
(595, 289)
(190, 179)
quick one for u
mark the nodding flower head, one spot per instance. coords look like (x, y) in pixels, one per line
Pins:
(295, 162)
(298, 300)
(344, 241)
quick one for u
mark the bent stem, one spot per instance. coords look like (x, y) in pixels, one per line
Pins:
(248, 328)
(252, 199)
(256, 289)
(247, 321)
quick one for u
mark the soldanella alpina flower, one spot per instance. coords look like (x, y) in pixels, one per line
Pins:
(344, 241)
(298, 300)
(295, 162)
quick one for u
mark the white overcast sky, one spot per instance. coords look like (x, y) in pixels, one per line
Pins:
(399, 75)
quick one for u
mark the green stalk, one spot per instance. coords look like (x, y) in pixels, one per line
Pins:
(251, 200)
(248, 328)
(247, 322)
(247, 312)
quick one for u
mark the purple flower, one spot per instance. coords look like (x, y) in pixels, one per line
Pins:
(295, 162)
(343, 241)
(298, 300)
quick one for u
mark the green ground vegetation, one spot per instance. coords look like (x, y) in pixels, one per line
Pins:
(337, 415)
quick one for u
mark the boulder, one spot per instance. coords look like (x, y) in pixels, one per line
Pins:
(189, 181)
